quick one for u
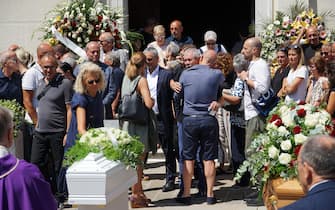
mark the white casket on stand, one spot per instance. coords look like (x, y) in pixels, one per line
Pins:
(98, 183)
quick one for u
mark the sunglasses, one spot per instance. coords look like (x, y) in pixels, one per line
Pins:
(210, 43)
(324, 53)
(93, 81)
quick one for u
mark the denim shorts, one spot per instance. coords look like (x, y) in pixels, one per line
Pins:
(200, 130)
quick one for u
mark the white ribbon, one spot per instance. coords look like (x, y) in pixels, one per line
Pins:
(68, 43)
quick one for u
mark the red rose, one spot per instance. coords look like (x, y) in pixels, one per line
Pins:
(301, 103)
(278, 122)
(297, 150)
(274, 117)
(297, 129)
(99, 18)
(301, 113)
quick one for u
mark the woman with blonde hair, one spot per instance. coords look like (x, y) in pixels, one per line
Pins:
(134, 79)
(87, 107)
(160, 44)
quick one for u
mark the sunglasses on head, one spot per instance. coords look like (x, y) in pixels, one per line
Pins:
(295, 46)
(92, 81)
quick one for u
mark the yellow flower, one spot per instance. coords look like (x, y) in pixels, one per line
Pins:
(310, 13)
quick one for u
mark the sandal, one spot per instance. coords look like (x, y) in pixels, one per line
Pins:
(145, 198)
(137, 202)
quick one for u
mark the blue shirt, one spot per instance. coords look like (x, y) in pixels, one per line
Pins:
(200, 87)
(11, 88)
(184, 40)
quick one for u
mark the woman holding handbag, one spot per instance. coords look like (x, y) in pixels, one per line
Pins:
(134, 80)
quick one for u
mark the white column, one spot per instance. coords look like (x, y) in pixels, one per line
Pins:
(263, 14)
(121, 5)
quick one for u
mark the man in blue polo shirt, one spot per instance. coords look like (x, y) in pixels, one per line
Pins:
(200, 91)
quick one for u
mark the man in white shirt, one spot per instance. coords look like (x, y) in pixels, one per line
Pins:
(257, 82)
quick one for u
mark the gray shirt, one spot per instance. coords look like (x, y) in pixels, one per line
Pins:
(200, 86)
(52, 105)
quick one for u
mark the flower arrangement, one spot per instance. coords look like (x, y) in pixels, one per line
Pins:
(18, 113)
(273, 153)
(286, 28)
(306, 19)
(81, 21)
(114, 143)
(275, 34)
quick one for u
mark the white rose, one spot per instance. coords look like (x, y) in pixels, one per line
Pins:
(276, 22)
(284, 158)
(283, 109)
(299, 138)
(270, 27)
(286, 145)
(283, 131)
(312, 119)
(287, 119)
(273, 152)
(79, 39)
(271, 126)
(286, 18)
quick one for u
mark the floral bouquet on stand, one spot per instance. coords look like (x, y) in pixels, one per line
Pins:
(274, 152)
(82, 21)
(114, 143)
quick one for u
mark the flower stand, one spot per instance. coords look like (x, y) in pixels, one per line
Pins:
(278, 193)
(98, 183)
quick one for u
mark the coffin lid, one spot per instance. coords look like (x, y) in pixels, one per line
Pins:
(95, 163)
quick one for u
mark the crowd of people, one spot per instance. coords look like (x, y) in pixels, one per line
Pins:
(199, 102)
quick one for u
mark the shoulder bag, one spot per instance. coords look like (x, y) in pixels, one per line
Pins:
(133, 109)
(265, 103)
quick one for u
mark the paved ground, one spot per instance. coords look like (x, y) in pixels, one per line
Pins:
(228, 197)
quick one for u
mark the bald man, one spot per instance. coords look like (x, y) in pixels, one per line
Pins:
(316, 174)
(177, 36)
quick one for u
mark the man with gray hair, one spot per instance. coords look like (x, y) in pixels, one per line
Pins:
(316, 174)
(22, 184)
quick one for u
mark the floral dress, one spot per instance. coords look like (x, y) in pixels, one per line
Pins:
(237, 118)
(319, 92)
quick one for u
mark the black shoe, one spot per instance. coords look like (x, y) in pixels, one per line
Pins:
(184, 200)
(200, 194)
(211, 200)
(169, 186)
(180, 194)
(255, 202)
(251, 196)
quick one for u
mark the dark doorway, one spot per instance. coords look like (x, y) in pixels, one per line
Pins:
(197, 17)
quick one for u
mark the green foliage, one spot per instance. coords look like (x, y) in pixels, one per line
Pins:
(115, 144)
(18, 113)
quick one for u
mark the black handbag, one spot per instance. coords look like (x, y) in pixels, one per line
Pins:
(133, 109)
(265, 103)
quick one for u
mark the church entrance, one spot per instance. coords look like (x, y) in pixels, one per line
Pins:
(197, 17)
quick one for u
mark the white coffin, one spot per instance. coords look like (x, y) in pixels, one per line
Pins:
(98, 181)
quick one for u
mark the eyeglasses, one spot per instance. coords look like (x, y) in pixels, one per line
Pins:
(93, 81)
(283, 49)
(159, 36)
(210, 43)
(14, 60)
(324, 53)
(49, 67)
